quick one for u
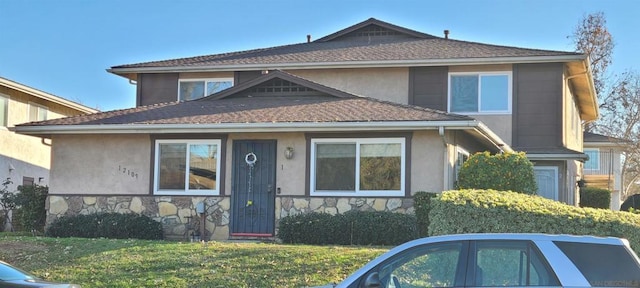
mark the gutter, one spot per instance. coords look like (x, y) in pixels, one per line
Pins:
(351, 64)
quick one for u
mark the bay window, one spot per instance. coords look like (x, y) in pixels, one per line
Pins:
(480, 93)
(187, 167)
(358, 167)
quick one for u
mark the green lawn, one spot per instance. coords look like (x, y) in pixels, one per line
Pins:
(140, 263)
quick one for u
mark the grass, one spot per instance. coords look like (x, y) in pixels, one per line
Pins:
(141, 263)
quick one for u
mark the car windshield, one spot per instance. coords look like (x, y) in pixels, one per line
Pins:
(8, 273)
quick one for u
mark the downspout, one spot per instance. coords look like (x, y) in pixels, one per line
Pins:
(445, 160)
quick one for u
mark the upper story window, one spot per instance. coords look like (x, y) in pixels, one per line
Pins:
(480, 93)
(187, 167)
(37, 112)
(191, 89)
(358, 167)
(594, 159)
(4, 111)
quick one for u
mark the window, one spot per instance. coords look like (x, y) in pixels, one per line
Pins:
(480, 92)
(433, 265)
(28, 181)
(510, 263)
(362, 167)
(594, 159)
(37, 112)
(461, 156)
(197, 88)
(172, 159)
(603, 265)
(4, 109)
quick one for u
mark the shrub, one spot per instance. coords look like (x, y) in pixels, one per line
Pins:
(350, 228)
(422, 205)
(106, 225)
(506, 172)
(595, 197)
(632, 201)
(30, 202)
(489, 211)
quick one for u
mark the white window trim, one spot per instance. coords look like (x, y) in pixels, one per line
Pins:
(597, 163)
(45, 108)
(357, 192)
(457, 164)
(509, 75)
(205, 80)
(186, 191)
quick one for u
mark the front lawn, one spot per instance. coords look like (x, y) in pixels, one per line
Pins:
(141, 263)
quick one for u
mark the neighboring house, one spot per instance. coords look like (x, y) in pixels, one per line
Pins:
(604, 167)
(359, 119)
(25, 160)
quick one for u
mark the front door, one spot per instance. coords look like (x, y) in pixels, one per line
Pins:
(547, 179)
(253, 188)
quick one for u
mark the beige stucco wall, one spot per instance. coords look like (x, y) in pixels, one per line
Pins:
(499, 124)
(290, 173)
(571, 124)
(101, 164)
(390, 84)
(428, 152)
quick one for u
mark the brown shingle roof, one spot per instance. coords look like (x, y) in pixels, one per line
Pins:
(342, 47)
(262, 110)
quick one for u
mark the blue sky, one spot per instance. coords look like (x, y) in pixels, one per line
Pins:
(64, 47)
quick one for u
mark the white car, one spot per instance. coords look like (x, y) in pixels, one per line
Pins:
(513, 260)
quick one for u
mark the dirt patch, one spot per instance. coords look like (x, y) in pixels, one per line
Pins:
(11, 251)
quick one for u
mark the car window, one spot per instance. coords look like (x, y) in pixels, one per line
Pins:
(434, 265)
(603, 265)
(509, 263)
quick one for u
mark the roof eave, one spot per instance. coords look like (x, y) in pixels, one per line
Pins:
(46, 96)
(36, 130)
(128, 72)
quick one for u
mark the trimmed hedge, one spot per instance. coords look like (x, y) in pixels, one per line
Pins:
(595, 197)
(509, 171)
(106, 225)
(422, 206)
(350, 228)
(632, 202)
(490, 211)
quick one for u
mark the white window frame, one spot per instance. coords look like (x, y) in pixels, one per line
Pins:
(186, 191)
(4, 121)
(461, 153)
(38, 107)
(205, 80)
(357, 192)
(509, 75)
(595, 161)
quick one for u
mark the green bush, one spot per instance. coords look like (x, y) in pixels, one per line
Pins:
(422, 205)
(595, 197)
(632, 202)
(350, 228)
(106, 225)
(30, 209)
(506, 172)
(490, 211)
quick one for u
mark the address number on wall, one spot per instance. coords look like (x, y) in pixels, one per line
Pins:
(127, 171)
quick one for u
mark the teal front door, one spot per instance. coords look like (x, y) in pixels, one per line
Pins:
(253, 188)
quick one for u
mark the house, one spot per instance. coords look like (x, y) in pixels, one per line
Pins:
(360, 119)
(604, 167)
(26, 160)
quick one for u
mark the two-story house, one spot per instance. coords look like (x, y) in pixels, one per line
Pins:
(603, 169)
(359, 119)
(26, 160)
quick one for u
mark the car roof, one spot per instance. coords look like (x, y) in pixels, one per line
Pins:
(526, 236)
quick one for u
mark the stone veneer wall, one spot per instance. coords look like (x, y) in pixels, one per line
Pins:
(175, 212)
